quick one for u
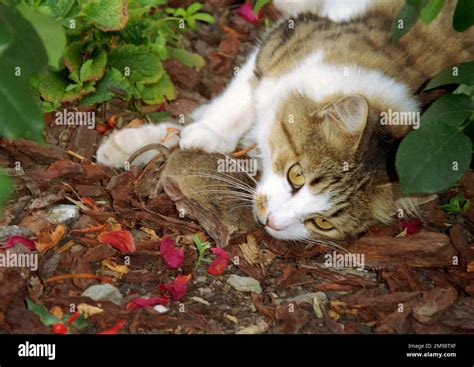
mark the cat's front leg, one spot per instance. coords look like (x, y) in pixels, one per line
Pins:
(227, 118)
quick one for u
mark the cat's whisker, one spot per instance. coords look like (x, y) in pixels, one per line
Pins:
(222, 179)
(238, 165)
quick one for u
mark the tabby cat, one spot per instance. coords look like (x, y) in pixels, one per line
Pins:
(312, 96)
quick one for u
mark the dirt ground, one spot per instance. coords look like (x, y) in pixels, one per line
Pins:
(418, 276)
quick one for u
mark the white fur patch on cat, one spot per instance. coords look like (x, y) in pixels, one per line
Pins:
(117, 148)
(336, 10)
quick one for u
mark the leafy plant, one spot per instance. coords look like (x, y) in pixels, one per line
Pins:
(202, 248)
(436, 155)
(457, 204)
(259, 4)
(427, 11)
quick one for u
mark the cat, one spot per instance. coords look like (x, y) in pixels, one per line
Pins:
(311, 95)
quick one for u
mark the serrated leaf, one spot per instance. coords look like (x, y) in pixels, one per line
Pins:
(40, 310)
(75, 94)
(158, 93)
(458, 74)
(142, 64)
(113, 84)
(431, 11)
(84, 72)
(97, 69)
(56, 8)
(463, 15)
(6, 187)
(190, 59)
(52, 87)
(453, 109)
(73, 57)
(107, 15)
(49, 30)
(427, 158)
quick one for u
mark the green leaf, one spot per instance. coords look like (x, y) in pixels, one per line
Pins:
(58, 9)
(204, 17)
(463, 15)
(85, 69)
(431, 11)
(6, 37)
(259, 5)
(49, 30)
(143, 65)
(74, 93)
(107, 15)
(6, 187)
(20, 115)
(453, 109)
(97, 68)
(427, 158)
(403, 22)
(114, 84)
(190, 59)
(40, 310)
(51, 87)
(158, 92)
(458, 74)
(73, 57)
(193, 8)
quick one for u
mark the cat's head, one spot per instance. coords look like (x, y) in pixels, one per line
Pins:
(326, 173)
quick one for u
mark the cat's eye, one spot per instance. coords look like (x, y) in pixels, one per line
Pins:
(296, 176)
(322, 223)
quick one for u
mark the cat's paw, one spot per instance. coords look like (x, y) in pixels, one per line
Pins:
(200, 136)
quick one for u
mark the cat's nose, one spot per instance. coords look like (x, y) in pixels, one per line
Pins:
(271, 223)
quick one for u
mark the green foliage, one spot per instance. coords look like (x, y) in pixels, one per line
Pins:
(427, 11)
(457, 204)
(259, 4)
(202, 248)
(113, 48)
(5, 188)
(435, 156)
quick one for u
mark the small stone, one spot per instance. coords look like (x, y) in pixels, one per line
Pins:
(161, 309)
(9, 231)
(62, 213)
(76, 248)
(103, 292)
(244, 284)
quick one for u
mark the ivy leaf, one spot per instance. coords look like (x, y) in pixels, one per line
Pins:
(73, 57)
(107, 15)
(6, 187)
(463, 15)
(454, 109)
(432, 158)
(431, 11)
(40, 310)
(144, 65)
(49, 30)
(158, 93)
(458, 74)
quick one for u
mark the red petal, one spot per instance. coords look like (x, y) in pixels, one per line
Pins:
(246, 12)
(220, 262)
(412, 226)
(120, 240)
(147, 302)
(172, 255)
(13, 240)
(177, 287)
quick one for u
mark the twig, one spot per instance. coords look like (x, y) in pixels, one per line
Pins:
(60, 277)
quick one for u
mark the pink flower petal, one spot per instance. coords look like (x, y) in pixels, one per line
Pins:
(246, 12)
(147, 302)
(14, 240)
(177, 287)
(219, 264)
(172, 255)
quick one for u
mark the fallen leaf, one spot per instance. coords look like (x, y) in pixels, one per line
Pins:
(172, 255)
(147, 302)
(15, 240)
(120, 240)
(111, 265)
(47, 239)
(88, 310)
(177, 287)
(219, 264)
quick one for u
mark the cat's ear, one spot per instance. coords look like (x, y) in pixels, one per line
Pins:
(343, 122)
